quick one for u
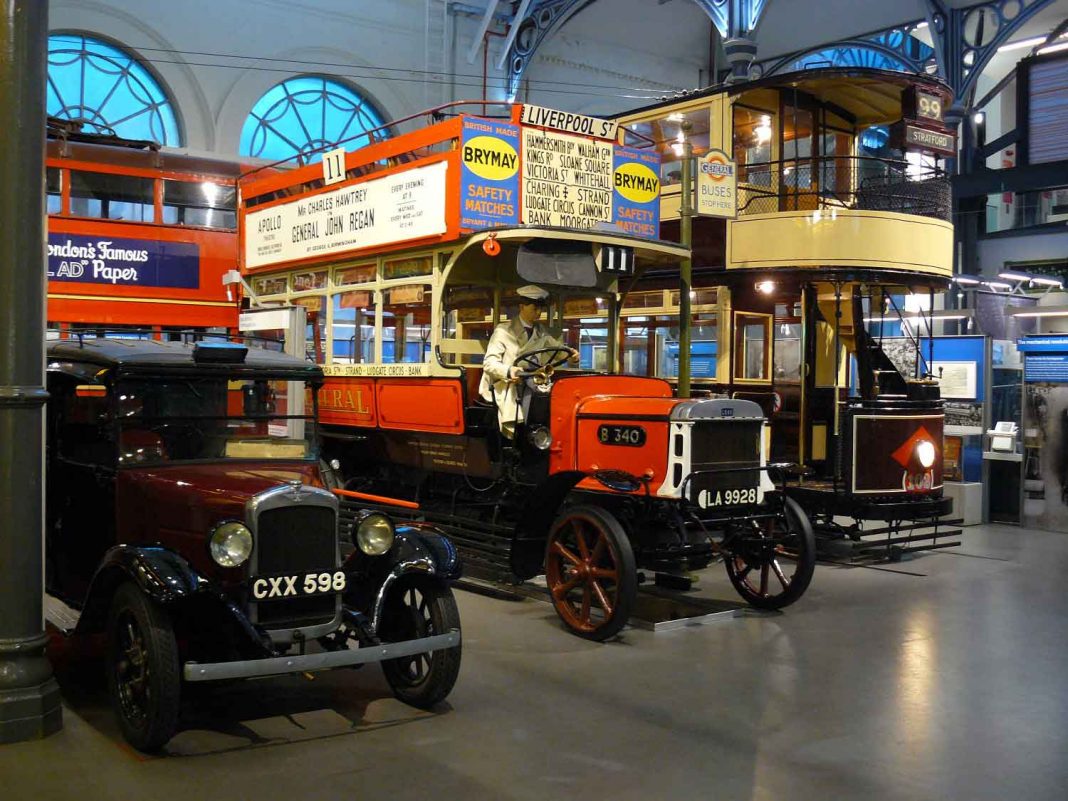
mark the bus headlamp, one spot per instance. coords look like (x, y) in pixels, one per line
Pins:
(925, 452)
(540, 438)
(374, 534)
(230, 544)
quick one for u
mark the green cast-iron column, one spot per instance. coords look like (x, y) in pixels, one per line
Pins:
(29, 697)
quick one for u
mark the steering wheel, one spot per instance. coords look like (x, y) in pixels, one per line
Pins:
(541, 374)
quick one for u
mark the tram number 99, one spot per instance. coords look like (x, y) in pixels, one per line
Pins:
(929, 106)
(633, 436)
(730, 497)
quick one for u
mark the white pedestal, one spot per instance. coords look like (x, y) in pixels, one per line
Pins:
(967, 500)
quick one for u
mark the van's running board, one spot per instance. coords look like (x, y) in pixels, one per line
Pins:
(60, 615)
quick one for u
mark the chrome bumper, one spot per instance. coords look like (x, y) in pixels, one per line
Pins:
(278, 665)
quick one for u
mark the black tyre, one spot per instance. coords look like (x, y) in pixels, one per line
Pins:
(421, 609)
(144, 679)
(590, 572)
(770, 561)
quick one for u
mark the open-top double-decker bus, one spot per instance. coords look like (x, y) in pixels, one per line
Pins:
(409, 265)
(138, 238)
(823, 216)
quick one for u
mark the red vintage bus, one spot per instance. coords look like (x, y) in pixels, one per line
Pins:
(138, 237)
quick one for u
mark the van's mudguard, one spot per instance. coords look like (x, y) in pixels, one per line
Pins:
(167, 579)
(418, 550)
(532, 532)
(162, 575)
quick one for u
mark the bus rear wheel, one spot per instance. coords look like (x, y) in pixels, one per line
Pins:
(590, 572)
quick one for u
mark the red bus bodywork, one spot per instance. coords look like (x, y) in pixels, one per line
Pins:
(197, 298)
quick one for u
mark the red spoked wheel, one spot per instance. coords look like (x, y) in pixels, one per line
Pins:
(590, 572)
(770, 561)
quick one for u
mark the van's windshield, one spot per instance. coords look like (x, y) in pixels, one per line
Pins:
(168, 419)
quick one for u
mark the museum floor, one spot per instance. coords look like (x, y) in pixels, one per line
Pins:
(943, 677)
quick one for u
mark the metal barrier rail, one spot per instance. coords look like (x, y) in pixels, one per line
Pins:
(826, 183)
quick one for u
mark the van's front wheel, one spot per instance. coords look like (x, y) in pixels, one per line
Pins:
(143, 673)
(414, 610)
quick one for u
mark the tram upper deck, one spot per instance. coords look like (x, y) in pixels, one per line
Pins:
(836, 170)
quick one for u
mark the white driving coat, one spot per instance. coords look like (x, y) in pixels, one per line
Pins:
(508, 342)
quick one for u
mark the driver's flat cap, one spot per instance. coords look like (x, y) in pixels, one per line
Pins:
(532, 292)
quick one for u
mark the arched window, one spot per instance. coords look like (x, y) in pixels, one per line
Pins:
(108, 90)
(304, 114)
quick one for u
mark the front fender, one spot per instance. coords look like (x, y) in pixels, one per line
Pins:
(416, 551)
(168, 580)
(162, 575)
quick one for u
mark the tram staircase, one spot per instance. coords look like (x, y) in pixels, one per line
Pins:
(878, 376)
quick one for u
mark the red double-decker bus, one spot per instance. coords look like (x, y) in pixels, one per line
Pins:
(138, 237)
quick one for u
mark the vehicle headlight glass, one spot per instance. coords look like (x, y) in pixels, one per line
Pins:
(231, 544)
(374, 534)
(925, 452)
(540, 438)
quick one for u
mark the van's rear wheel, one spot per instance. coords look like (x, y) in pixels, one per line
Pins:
(590, 572)
(770, 561)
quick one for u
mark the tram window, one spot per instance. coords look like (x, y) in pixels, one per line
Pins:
(703, 347)
(667, 133)
(406, 324)
(787, 352)
(111, 197)
(644, 300)
(698, 297)
(753, 133)
(835, 167)
(752, 340)
(466, 325)
(54, 189)
(353, 330)
(797, 150)
(206, 204)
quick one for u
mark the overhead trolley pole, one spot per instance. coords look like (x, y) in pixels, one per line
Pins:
(29, 696)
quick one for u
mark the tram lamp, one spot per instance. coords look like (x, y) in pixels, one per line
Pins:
(978, 117)
(925, 452)
(765, 287)
(966, 280)
(995, 285)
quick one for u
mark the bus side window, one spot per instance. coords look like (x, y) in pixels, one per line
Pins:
(111, 197)
(207, 204)
(54, 189)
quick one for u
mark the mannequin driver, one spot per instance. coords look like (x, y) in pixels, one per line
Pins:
(522, 334)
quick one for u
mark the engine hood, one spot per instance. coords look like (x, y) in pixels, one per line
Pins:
(177, 505)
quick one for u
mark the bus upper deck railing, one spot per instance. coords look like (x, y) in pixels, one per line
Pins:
(851, 182)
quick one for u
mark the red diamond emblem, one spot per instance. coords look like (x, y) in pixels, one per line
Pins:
(903, 455)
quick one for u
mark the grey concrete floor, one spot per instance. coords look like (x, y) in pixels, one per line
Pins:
(947, 679)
